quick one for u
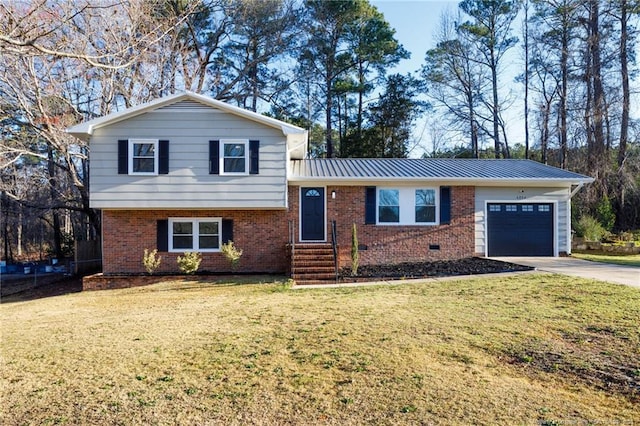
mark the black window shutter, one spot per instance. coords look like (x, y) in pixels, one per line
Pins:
(227, 230)
(163, 235)
(445, 205)
(370, 205)
(123, 157)
(214, 157)
(163, 158)
(254, 157)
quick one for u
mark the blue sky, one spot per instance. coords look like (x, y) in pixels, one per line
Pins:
(414, 22)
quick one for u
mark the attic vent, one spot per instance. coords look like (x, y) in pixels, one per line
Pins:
(186, 106)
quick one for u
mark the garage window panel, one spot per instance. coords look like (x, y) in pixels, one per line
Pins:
(527, 208)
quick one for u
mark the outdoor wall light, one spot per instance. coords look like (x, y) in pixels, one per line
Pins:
(333, 194)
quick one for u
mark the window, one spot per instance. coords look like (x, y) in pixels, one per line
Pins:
(425, 206)
(407, 206)
(511, 208)
(543, 208)
(143, 158)
(194, 234)
(495, 208)
(389, 206)
(527, 208)
(234, 158)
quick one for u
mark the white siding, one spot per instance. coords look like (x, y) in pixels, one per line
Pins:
(559, 196)
(188, 184)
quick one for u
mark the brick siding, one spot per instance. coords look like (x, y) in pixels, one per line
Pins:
(262, 235)
(395, 244)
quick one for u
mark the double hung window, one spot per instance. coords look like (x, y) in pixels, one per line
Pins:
(235, 158)
(194, 234)
(143, 157)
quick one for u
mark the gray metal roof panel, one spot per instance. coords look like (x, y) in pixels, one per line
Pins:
(429, 168)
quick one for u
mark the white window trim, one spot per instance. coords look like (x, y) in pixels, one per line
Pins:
(408, 206)
(156, 153)
(195, 221)
(245, 142)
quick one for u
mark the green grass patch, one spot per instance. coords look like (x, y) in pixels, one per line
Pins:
(617, 259)
(529, 349)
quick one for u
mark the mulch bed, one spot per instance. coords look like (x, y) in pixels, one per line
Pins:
(443, 268)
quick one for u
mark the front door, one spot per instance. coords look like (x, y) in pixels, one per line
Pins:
(312, 214)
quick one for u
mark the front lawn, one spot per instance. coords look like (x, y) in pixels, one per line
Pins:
(618, 259)
(529, 349)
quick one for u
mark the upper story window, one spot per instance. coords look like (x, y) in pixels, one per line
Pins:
(143, 156)
(234, 158)
(407, 206)
(194, 234)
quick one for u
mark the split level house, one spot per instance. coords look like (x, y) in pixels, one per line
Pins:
(188, 173)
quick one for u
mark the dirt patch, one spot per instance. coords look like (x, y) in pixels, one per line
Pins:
(443, 268)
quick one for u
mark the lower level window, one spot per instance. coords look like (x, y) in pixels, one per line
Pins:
(194, 234)
(389, 206)
(407, 206)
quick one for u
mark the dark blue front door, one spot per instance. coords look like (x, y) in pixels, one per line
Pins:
(312, 213)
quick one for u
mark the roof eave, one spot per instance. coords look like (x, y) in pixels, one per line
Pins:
(461, 180)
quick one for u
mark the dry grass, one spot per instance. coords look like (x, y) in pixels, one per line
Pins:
(618, 259)
(534, 349)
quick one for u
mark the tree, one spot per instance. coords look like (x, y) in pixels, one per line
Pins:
(392, 117)
(374, 47)
(325, 57)
(490, 28)
(455, 80)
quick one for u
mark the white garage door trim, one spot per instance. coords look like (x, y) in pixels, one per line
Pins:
(530, 201)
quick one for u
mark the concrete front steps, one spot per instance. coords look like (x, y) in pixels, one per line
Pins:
(313, 264)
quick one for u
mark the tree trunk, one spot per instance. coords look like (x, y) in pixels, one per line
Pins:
(526, 79)
(564, 89)
(624, 76)
(597, 160)
(496, 124)
(57, 238)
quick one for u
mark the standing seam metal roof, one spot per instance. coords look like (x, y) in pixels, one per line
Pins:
(429, 168)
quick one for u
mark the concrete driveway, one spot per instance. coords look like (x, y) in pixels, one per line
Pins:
(618, 274)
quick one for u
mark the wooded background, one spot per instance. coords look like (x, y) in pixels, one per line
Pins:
(325, 66)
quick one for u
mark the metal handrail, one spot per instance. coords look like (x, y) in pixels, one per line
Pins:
(334, 245)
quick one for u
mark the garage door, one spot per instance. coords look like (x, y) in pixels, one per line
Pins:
(520, 229)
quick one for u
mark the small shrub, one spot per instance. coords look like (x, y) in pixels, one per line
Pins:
(189, 262)
(151, 261)
(232, 253)
(355, 255)
(589, 228)
(606, 215)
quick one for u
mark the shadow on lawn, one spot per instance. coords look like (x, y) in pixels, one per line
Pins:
(62, 286)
